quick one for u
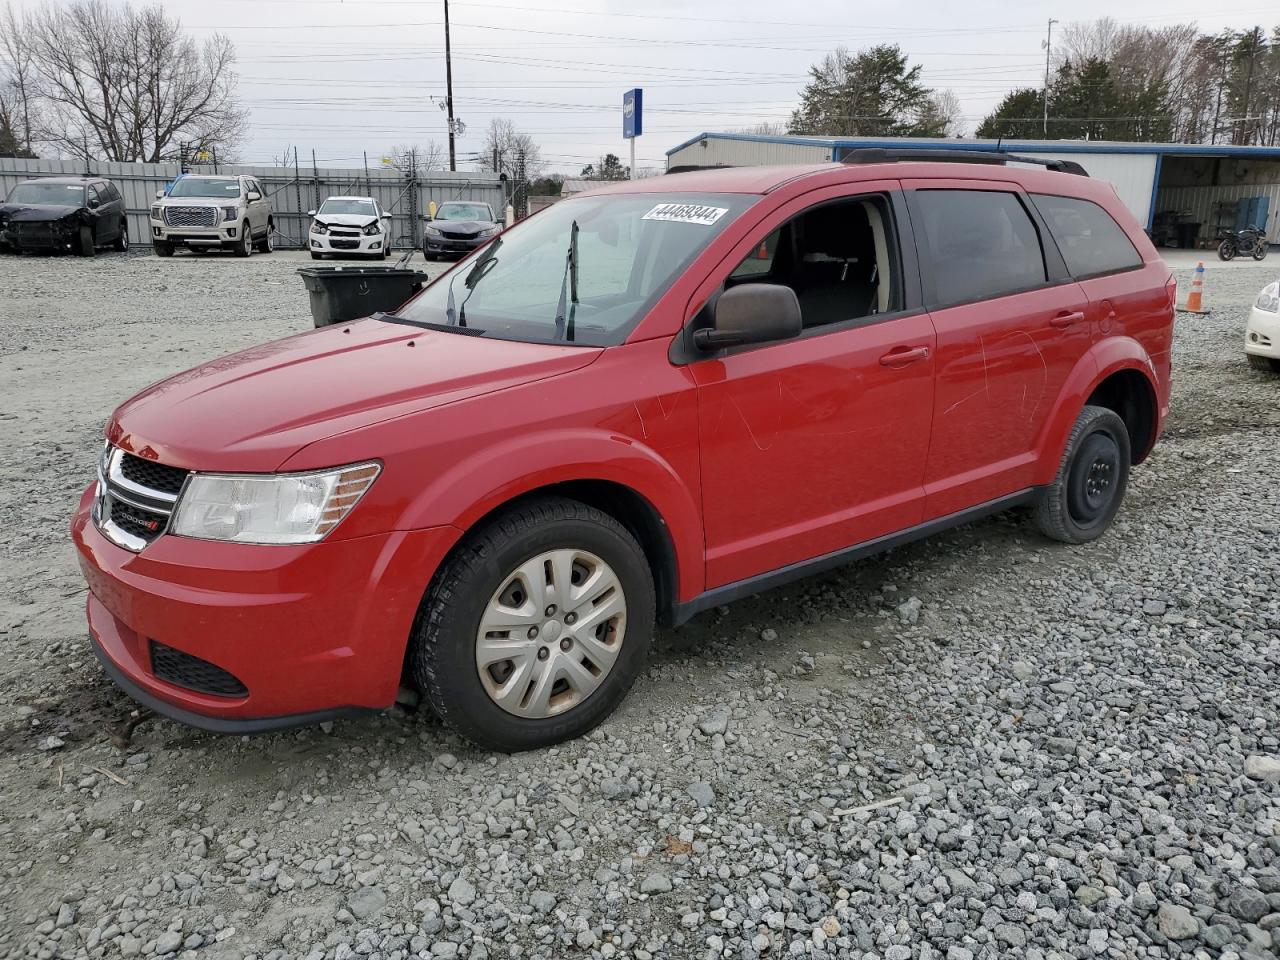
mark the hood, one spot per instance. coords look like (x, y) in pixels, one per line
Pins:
(462, 226)
(35, 212)
(251, 411)
(345, 219)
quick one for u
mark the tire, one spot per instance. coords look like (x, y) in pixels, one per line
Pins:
(122, 241)
(266, 244)
(1226, 250)
(1260, 251)
(386, 251)
(162, 249)
(445, 647)
(1080, 503)
(316, 256)
(84, 242)
(430, 257)
(244, 246)
(1265, 364)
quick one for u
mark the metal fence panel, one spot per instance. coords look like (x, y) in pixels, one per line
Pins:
(293, 190)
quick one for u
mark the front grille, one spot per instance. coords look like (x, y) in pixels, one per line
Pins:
(148, 473)
(461, 236)
(342, 243)
(38, 235)
(135, 499)
(341, 232)
(191, 216)
(184, 670)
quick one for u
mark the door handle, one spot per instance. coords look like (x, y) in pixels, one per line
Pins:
(901, 356)
(1063, 320)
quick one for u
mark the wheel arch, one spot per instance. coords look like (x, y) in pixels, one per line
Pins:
(1117, 371)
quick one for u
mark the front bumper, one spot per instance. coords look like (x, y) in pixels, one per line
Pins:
(310, 631)
(226, 232)
(1262, 334)
(39, 235)
(361, 245)
(448, 245)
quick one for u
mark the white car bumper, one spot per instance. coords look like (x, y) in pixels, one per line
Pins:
(361, 245)
(1262, 334)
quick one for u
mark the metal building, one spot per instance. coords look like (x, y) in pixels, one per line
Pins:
(1182, 193)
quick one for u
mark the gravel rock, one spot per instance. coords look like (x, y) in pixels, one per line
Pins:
(655, 883)
(367, 902)
(702, 793)
(1263, 768)
(1176, 922)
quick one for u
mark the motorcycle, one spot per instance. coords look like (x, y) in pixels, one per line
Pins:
(1250, 242)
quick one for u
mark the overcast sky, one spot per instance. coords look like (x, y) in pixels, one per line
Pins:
(347, 76)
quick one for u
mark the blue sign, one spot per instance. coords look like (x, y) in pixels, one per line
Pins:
(632, 114)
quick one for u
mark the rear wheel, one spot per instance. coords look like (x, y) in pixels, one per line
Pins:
(84, 242)
(122, 241)
(1266, 364)
(162, 249)
(1087, 492)
(1226, 250)
(267, 243)
(536, 627)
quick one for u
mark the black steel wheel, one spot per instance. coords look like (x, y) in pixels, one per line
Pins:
(1086, 494)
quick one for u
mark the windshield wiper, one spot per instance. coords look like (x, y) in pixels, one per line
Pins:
(474, 276)
(568, 286)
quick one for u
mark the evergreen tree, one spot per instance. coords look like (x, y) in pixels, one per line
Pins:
(872, 93)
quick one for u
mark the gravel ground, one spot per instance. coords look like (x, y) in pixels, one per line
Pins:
(981, 746)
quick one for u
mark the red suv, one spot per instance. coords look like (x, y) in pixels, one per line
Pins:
(636, 405)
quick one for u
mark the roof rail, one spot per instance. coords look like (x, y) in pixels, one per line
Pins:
(896, 155)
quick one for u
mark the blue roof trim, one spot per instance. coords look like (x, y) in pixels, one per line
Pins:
(1025, 146)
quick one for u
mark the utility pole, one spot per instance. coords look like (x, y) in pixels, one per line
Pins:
(448, 92)
(1048, 47)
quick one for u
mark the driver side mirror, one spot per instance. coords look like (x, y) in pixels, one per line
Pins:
(253, 195)
(751, 313)
(94, 203)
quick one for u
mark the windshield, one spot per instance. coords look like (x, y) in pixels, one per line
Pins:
(464, 211)
(189, 187)
(49, 194)
(628, 249)
(359, 208)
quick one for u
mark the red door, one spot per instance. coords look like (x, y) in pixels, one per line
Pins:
(813, 445)
(1008, 333)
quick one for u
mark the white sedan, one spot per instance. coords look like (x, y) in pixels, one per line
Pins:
(355, 226)
(1262, 335)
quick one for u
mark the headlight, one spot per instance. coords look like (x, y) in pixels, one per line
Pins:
(318, 227)
(156, 213)
(230, 213)
(270, 508)
(1269, 298)
(373, 229)
(489, 232)
(434, 231)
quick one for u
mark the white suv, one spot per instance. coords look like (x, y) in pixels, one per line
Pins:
(202, 212)
(349, 225)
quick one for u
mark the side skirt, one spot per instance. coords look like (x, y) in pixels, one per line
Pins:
(730, 592)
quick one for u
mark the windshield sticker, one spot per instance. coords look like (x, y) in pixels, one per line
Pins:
(686, 213)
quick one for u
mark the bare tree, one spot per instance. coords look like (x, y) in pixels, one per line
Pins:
(504, 144)
(17, 86)
(124, 83)
(428, 156)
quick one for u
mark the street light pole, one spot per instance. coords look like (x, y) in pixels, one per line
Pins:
(1048, 46)
(448, 79)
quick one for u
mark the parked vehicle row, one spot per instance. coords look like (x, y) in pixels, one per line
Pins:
(640, 404)
(66, 214)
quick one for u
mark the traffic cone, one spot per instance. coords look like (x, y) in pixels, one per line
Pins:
(1195, 299)
(763, 252)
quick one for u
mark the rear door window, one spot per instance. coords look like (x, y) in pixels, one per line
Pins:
(982, 244)
(1091, 242)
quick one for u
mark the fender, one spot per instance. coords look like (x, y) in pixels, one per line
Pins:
(1102, 360)
(465, 492)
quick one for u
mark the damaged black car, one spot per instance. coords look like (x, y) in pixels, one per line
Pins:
(64, 214)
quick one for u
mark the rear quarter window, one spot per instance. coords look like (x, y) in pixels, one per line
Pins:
(1090, 241)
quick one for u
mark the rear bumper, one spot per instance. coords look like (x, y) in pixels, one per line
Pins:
(311, 632)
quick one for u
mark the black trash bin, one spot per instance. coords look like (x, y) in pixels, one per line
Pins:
(340, 294)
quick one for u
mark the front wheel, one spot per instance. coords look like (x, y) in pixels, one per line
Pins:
(1226, 250)
(1080, 503)
(536, 627)
(245, 245)
(1260, 251)
(84, 242)
(1265, 364)
(162, 249)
